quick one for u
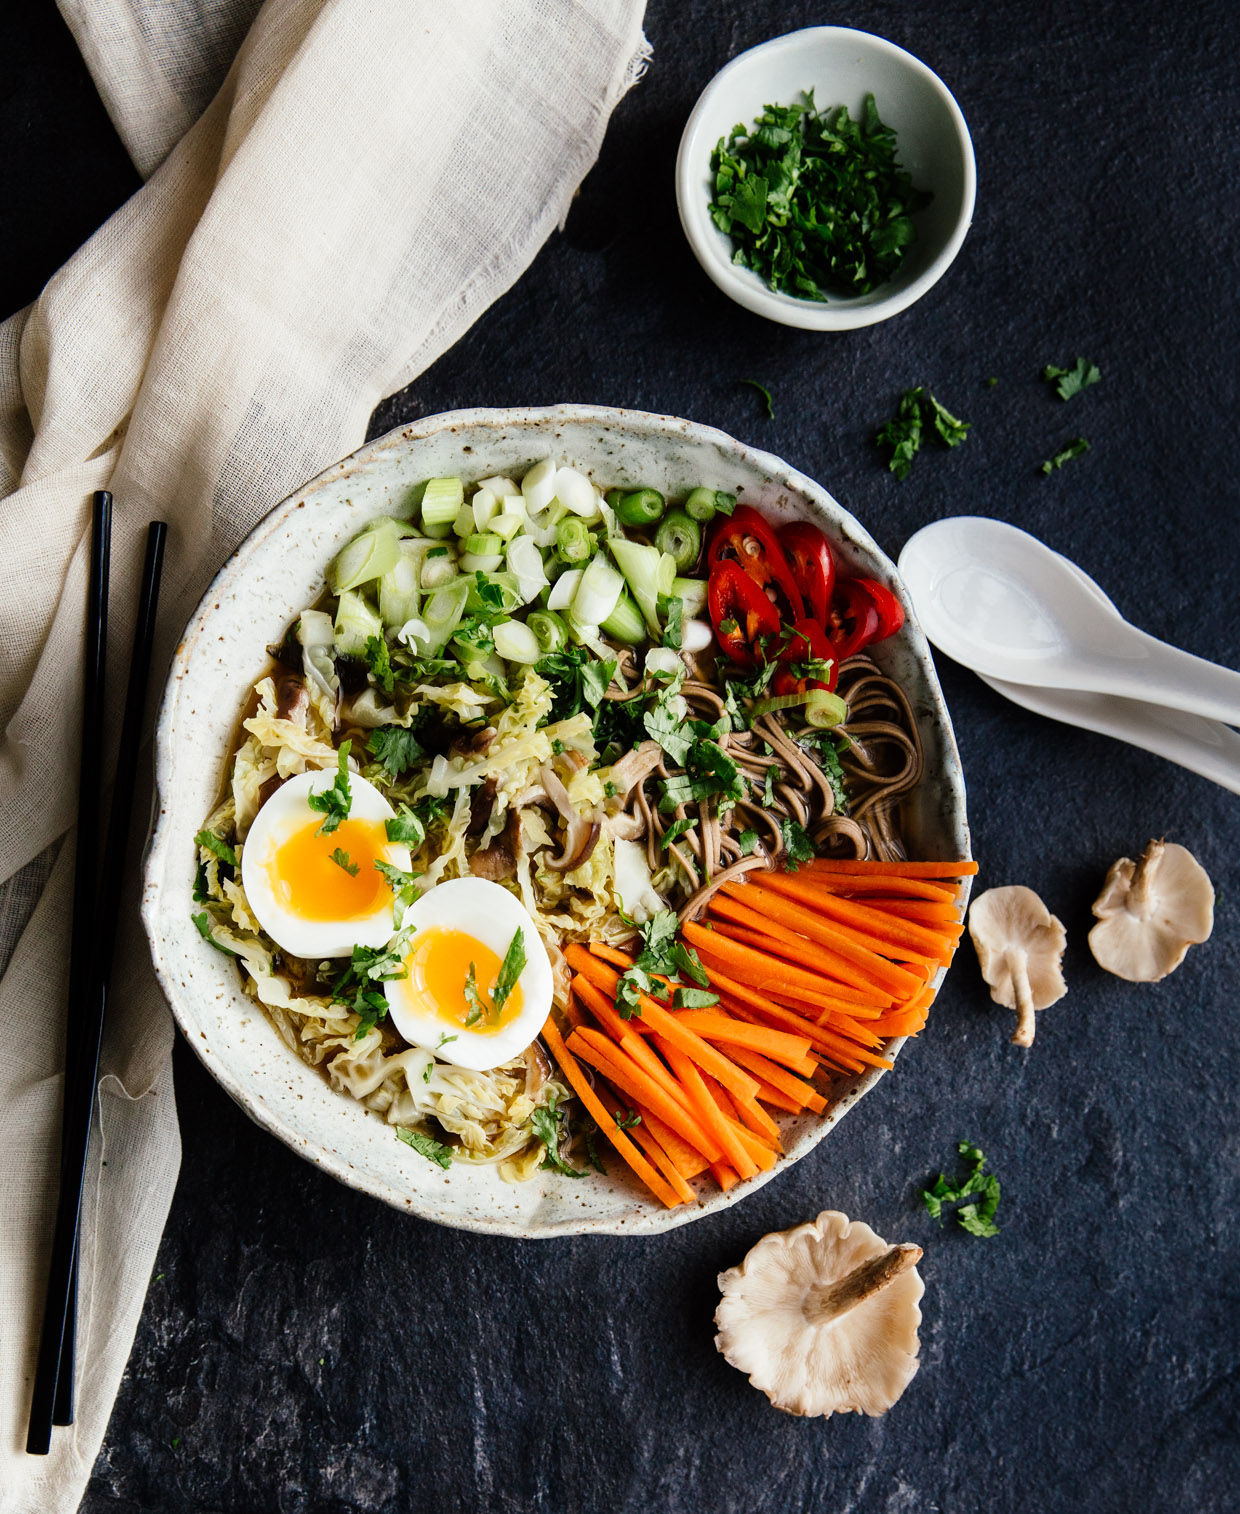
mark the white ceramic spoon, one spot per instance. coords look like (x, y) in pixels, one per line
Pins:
(999, 601)
(1206, 747)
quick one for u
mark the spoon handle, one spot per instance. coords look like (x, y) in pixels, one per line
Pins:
(1205, 747)
(1168, 675)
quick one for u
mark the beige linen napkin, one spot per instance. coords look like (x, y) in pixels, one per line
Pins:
(367, 179)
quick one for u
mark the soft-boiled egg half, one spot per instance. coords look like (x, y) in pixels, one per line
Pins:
(462, 931)
(318, 893)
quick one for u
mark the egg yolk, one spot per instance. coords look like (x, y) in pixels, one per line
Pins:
(438, 969)
(311, 885)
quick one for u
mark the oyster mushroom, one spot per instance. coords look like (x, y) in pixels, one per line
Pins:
(823, 1318)
(581, 833)
(1150, 912)
(1019, 949)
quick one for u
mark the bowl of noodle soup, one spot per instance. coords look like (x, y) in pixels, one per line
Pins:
(264, 1055)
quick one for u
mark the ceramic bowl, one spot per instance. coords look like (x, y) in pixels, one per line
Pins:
(279, 570)
(841, 66)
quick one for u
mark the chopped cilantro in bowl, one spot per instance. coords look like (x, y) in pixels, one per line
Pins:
(826, 179)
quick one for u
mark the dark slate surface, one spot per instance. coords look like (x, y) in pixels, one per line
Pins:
(304, 1348)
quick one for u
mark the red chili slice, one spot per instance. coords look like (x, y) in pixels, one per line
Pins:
(747, 539)
(740, 613)
(855, 619)
(813, 567)
(807, 642)
(890, 610)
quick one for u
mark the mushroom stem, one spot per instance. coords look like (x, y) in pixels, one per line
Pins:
(828, 1301)
(1018, 964)
(1139, 889)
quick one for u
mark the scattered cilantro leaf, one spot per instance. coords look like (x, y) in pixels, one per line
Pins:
(903, 434)
(403, 885)
(798, 847)
(627, 1120)
(342, 859)
(592, 1156)
(1069, 382)
(357, 986)
(578, 680)
(379, 661)
(203, 922)
(762, 390)
(510, 970)
(472, 996)
(693, 998)
(546, 1122)
(1073, 449)
(673, 631)
(977, 1217)
(633, 982)
(334, 803)
(427, 1146)
(676, 830)
(406, 829)
(396, 748)
(748, 842)
(213, 843)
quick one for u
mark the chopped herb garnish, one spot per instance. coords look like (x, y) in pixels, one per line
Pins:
(379, 661)
(748, 842)
(592, 1156)
(490, 594)
(626, 1120)
(510, 970)
(357, 986)
(472, 997)
(903, 433)
(335, 802)
(342, 859)
(765, 393)
(662, 952)
(673, 631)
(693, 998)
(406, 829)
(1070, 381)
(546, 1121)
(403, 885)
(815, 202)
(557, 748)
(203, 922)
(773, 774)
(396, 748)
(434, 1151)
(436, 552)
(213, 843)
(578, 680)
(676, 830)
(1073, 449)
(978, 1217)
(797, 845)
(610, 790)
(443, 1041)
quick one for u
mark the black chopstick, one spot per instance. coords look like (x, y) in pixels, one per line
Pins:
(119, 819)
(94, 930)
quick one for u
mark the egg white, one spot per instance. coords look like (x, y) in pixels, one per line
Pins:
(284, 814)
(491, 915)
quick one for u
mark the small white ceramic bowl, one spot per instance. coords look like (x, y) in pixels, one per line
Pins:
(275, 573)
(841, 66)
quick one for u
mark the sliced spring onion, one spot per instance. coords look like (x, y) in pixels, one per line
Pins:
(663, 660)
(356, 622)
(692, 592)
(625, 622)
(543, 527)
(639, 507)
(464, 525)
(538, 485)
(508, 523)
(598, 592)
(372, 553)
(695, 636)
(573, 541)
(437, 571)
(442, 610)
(442, 499)
(437, 530)
(483, 543)
(516, 642)
(413, 632)
(550, 629)
(485, 505)
(576, 491)
(526, 564)
(400, 586)
(499, 485)
(680, 537)
(481, 562)
(824, 709)
(502, 593)
(644, 573)
(563, 589)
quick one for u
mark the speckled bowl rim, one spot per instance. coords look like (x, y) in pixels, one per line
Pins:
(647, 1217)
